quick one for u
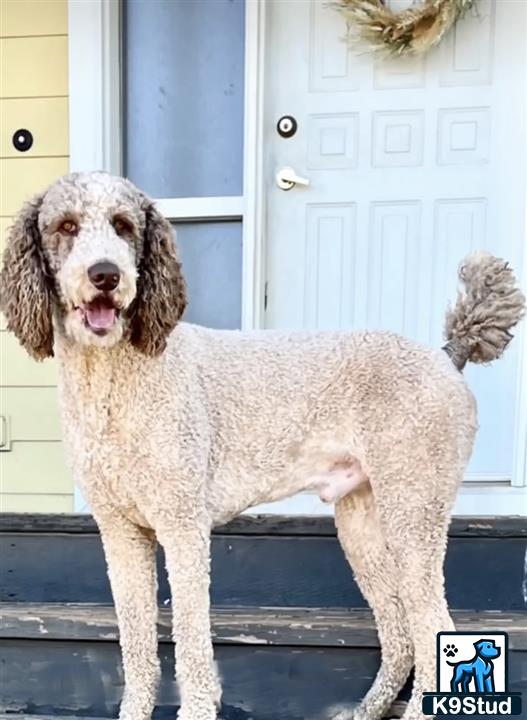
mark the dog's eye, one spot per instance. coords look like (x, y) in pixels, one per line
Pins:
(121, 226)
(69, 227)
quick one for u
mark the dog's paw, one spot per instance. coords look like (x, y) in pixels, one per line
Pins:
(450, 650)
(198, 709)
(198, 714)
(342, 715)
(343, 712)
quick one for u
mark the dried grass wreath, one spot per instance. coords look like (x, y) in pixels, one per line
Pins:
(408, 32)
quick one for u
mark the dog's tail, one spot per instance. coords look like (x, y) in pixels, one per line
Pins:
(478, 327)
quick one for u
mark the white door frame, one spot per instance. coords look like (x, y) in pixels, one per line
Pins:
(95, 143)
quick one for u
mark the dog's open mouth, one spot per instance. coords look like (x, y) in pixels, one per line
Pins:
(99, 315)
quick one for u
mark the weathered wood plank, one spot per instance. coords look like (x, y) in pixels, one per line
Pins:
(396, 711)
(259, 682)
(481, 573)
(238, 626)
(261, 525)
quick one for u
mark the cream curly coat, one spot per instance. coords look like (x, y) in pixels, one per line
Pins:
(171, 428)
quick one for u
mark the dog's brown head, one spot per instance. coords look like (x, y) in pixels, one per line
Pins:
(91, 257)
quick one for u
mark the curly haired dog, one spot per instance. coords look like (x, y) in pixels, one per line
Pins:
(171, 428)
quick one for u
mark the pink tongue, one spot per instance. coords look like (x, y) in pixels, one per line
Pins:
(100, 317)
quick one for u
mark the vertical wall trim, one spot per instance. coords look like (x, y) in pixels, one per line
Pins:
(519, 470)
(94, 56)
(95, 85)
(253, 263)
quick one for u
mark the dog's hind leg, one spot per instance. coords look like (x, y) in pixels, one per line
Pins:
(457, 678)
(375, 571)
(415, 514)
(466, 684)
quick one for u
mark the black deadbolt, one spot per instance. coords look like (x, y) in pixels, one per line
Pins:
(22, 140)
(287, 126)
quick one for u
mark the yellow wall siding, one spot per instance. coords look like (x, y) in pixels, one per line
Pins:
(33, 413)
(49, 126)
(4, 226)
(40, 66)
(23, 177)
(22, 18)
(5, 222)
(28, 458)
(33, 96)
(35, 503)
(19, 369)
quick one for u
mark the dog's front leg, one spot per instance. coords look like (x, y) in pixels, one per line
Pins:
(186, 542)
(130, 555)
(480, 681)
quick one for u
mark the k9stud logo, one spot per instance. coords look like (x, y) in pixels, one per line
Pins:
(471, 672)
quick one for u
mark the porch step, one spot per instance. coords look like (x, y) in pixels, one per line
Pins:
(276, 663)
(238, 626)
(396, 711)
(258, 561)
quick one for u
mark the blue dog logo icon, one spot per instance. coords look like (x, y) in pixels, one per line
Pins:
(475, 687)
(480, 669)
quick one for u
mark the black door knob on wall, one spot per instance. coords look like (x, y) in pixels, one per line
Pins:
(22, 140)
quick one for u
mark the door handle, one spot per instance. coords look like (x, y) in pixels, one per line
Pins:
(286, 178)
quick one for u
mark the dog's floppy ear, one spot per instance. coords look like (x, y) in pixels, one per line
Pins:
(26, 285)
(161, 291)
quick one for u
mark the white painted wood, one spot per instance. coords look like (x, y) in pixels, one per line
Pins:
(94, 85)
(94, 97)
(519, 477)
(80, 505)
(202, 208)
(112, 87)
(481, 499)
(412, 164)
(253, 269)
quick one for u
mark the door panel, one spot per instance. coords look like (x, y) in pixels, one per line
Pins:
(413, 163)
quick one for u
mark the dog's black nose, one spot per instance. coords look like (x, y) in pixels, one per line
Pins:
(104, 275)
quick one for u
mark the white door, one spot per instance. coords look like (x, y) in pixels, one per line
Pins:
(411, 164)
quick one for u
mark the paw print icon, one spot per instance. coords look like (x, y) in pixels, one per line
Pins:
(450, 650)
